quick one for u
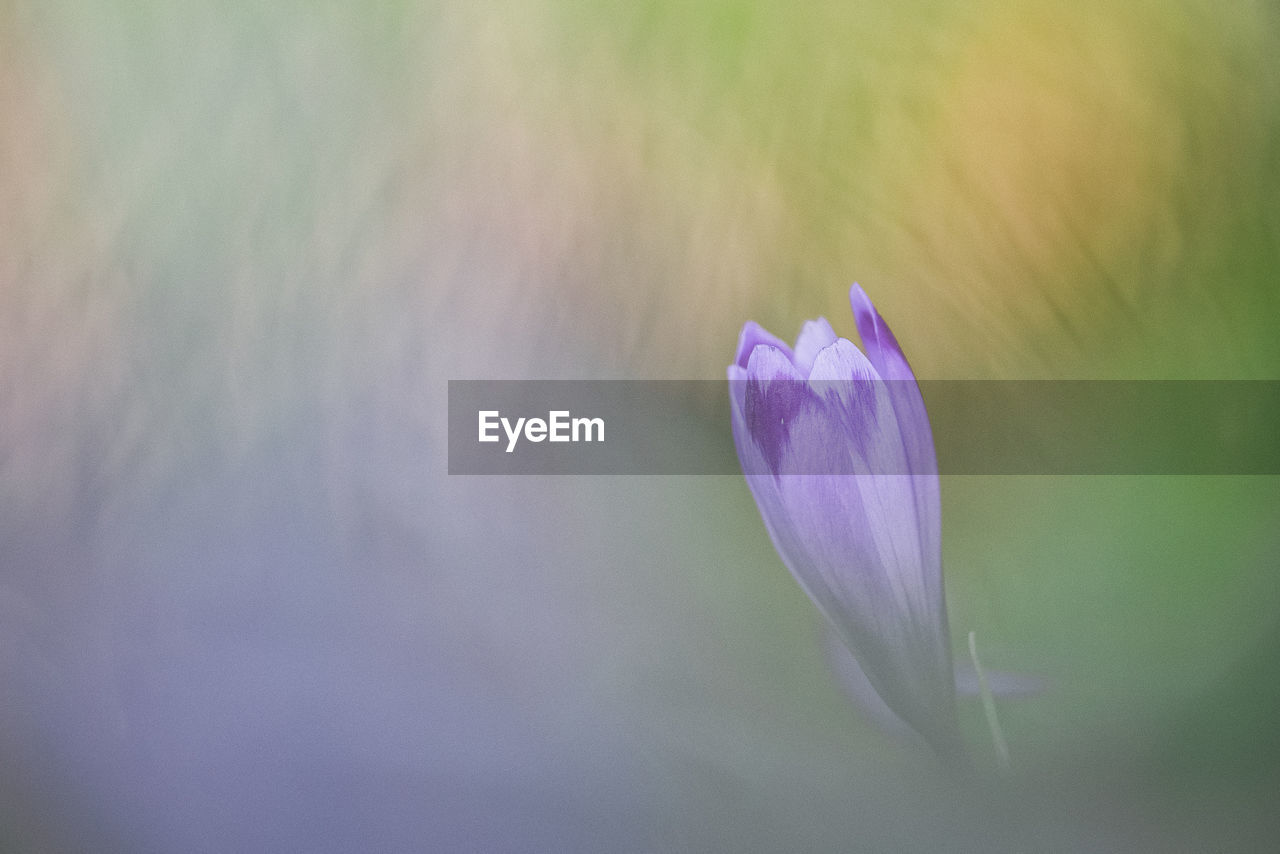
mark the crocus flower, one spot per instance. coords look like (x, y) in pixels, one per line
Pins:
(836, 448)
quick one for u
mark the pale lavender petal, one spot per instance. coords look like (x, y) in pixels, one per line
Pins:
(775, 393)
(902, 509)
(859, 403)
(737, 389)
(858, 688)
(840, 361)
(853, 680)
(815, 336)
(753, 335)
(886, 356)
(874, 597)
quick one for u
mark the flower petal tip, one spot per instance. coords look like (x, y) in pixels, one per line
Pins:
(865, 315)
(815, 336)
(878, 340)
(858, 299)
(752, 335)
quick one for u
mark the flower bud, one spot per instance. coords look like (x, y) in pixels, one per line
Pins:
(836, 447)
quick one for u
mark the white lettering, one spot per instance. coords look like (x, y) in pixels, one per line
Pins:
(488, 421)
(587, 424)
(559, 425)
(512, 435)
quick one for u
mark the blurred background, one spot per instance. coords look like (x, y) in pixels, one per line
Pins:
(244, 246)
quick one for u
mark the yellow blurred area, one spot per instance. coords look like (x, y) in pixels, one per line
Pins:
(1047, 192)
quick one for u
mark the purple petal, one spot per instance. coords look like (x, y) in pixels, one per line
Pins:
(823, 528)
(753, 335)
(815, 336)
(775, 393)
(851, 541)
(882, 348)
(837, 451)
(860, 407)
(886, 356)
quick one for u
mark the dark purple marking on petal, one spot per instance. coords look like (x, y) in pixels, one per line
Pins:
(775, 395)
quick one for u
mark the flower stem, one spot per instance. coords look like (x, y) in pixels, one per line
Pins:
(989, 706)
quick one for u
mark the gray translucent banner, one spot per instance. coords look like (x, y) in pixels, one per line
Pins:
(1116, 427)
